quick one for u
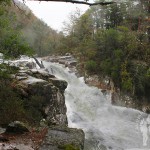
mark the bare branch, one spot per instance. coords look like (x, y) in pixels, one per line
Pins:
(78, 2)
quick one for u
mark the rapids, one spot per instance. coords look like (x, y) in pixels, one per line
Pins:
(106, 127)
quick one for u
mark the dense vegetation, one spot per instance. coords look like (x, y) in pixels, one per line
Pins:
(12, 43)
(114, 41)
(14, 106)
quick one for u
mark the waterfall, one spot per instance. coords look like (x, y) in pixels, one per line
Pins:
(106, 127)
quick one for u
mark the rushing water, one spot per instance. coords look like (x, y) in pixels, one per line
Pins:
(106, 127)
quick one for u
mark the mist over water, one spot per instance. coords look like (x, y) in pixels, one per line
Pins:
(106, 127)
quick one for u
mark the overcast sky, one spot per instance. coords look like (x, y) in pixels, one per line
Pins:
(54, 13)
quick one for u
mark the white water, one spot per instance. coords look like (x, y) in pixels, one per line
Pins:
(106, 127)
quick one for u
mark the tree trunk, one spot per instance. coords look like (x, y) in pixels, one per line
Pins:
(39, 64)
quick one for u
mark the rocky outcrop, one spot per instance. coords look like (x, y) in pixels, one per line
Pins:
(39, 82)
(68, 61)
(102, 83)
(59, 138)
(118, 97)
(32, 82)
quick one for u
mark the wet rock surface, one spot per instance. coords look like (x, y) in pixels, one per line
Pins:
(68, 61)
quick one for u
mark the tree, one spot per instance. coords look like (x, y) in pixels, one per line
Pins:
(12, 43)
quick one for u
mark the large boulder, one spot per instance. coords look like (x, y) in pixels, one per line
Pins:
(41, 74)
(16, 127)
(31, 65)
(40, 83)
(61, 137)
(60, 84)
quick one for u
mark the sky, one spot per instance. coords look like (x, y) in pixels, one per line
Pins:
(54, 13)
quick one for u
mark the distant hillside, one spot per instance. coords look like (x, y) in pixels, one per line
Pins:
(42, 38)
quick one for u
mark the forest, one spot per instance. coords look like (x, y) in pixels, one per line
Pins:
(112, 41)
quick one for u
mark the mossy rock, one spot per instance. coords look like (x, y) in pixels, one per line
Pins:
(17, 127)
(68, 147)
(63, 138)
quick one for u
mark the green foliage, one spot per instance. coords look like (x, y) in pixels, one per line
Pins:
(6, 71)
(147, 83)
(122, 29)
(68, 147)
(12, 43)
(23, 33)
(34, 109)
(126, 80)
(91, 66)
(148, 73)
(14, 106)
(114, 41)
(5, 2)
(11, 106)
(106, 67)
(139, 72)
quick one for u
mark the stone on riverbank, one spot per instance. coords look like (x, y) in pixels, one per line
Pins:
(61, 137)
(16, 127)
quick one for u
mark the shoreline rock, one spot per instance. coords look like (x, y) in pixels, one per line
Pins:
(38, 82)
(16, 127)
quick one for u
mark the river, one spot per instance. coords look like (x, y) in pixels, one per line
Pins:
(106, 127)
